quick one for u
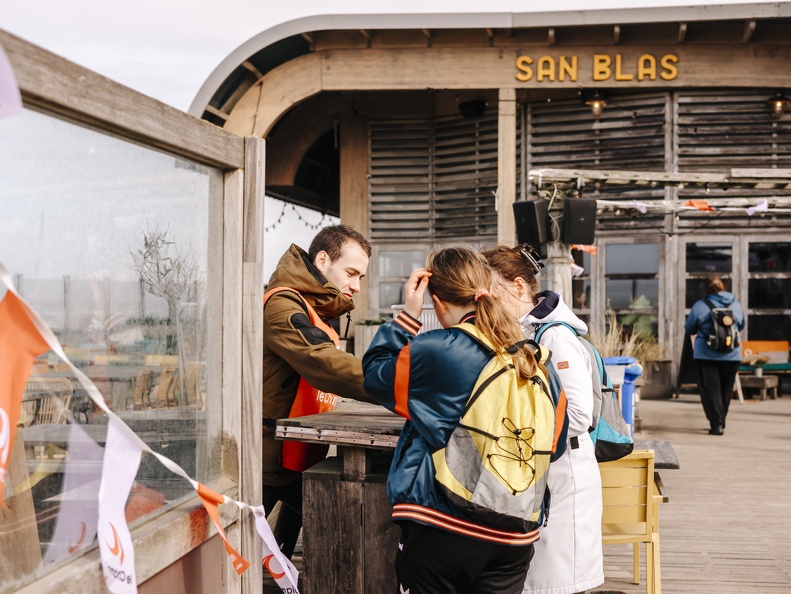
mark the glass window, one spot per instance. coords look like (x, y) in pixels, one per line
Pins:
(390, 294)
(709, 258)
(769, 327)
(581, 285)
(769, 293)
(770, 257)
(400, 263)
(639, 258)
(631, 286)
(696, 289)
(109, 242)
(581, 290)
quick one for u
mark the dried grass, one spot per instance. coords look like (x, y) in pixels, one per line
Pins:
(618, 341)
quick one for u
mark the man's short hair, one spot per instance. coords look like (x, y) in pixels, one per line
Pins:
(331, 240)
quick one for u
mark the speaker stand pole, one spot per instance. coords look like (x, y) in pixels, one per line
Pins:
(559, 262)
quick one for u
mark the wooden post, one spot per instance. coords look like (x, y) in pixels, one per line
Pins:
(250, 479)
(20, 550)
(559, 265)
(506, 166)
(354, 193)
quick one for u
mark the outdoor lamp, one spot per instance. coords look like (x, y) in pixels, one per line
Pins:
(597, 100)
(779, 103)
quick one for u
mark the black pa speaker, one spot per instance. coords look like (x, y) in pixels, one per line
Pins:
(531, 223)
(579, 221)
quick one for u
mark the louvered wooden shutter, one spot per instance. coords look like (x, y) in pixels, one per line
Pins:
(435, 179)
(464, 164)
(400, 179)
(720, 131)
(630, 135)
(724, 130)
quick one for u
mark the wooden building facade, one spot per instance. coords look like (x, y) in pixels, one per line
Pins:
(420, 131)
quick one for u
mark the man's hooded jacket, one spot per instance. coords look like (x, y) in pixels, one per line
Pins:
(294, 348)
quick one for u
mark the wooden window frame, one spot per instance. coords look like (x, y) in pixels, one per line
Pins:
(56, 87)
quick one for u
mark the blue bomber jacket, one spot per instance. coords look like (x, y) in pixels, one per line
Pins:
(428, 379)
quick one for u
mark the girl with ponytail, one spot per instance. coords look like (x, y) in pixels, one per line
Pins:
(428, 379)
(569, 557)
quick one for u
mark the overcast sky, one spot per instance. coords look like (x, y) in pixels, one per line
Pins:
(168, 48)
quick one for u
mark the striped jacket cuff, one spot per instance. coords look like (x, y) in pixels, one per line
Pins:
(408, 323)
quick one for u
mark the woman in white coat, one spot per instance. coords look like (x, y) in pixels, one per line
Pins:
(568, 558)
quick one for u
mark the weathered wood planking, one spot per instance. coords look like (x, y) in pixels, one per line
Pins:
(20, 549)
(233, 233)
(354, 192)
(54, 84)
(252, 341)
(484, 68)
(727, 527)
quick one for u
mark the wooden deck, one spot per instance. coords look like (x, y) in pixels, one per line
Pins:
(727, 527)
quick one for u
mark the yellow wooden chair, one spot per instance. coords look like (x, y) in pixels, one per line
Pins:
(630, 514)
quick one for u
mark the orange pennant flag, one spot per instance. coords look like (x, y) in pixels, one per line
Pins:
(211, 500)
(699, 204)
(590, 249)
(20, 344)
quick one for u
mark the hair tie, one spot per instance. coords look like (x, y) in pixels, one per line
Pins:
(481, 293)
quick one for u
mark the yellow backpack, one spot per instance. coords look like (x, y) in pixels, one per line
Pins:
(496, 462)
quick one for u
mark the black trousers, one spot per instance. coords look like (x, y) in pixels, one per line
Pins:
(289, 519)
(715, 382)
(433, 561)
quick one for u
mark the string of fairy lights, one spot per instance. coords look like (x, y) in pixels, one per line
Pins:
(325, 219)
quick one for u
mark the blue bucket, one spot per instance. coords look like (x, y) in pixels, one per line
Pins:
(631, 373)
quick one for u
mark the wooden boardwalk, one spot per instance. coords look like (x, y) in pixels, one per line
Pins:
(727, 527)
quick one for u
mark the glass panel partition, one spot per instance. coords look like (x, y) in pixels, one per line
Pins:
(109, 242)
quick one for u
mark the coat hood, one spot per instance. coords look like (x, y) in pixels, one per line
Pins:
(296, 271)
(721, 299)
(551, 308)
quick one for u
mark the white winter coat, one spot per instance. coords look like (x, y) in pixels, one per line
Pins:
(568, 557)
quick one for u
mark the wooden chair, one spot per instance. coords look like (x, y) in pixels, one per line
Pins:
(47, 400)
(630, 514)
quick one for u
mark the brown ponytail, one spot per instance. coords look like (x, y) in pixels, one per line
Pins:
(458, 274)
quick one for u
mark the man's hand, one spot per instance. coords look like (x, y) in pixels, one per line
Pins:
(414, 290)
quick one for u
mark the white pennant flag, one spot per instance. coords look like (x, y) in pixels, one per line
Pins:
(762, 206)
(77, 519)
(275, 562)
(121, 461)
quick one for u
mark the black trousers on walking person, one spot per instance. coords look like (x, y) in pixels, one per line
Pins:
(715, 382)
(433, 561)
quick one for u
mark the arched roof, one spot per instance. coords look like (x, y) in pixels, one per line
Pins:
(289, 40)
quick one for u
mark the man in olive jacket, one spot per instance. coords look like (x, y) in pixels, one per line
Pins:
(327, 277)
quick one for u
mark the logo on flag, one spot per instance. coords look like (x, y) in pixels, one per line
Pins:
(80, 541)
(116, 548)
(267, 561)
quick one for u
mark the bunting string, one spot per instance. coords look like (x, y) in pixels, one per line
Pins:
(122, 453)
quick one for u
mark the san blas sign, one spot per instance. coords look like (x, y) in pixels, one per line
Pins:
(601, 68)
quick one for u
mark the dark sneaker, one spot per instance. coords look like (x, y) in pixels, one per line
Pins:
(716, 430)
